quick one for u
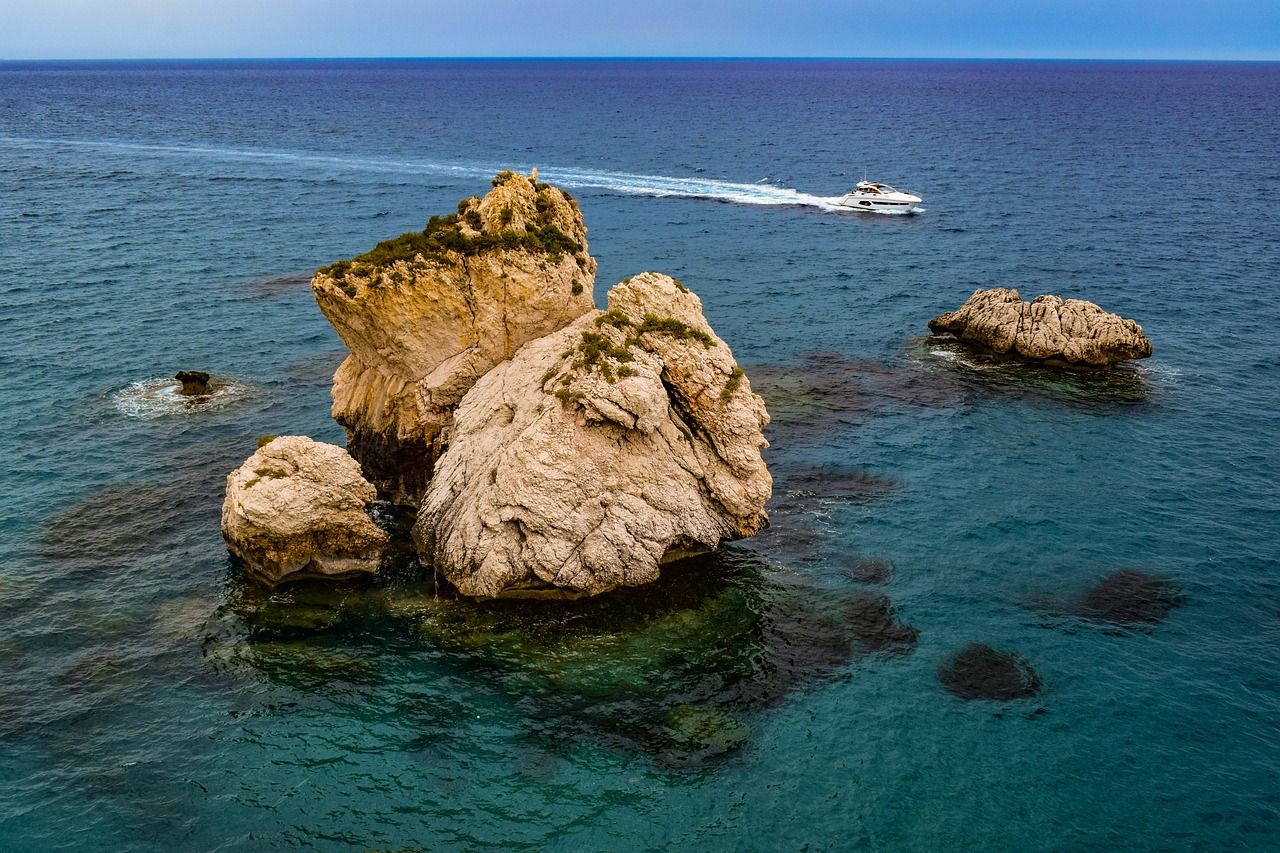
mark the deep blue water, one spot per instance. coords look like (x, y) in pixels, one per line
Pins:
(160, 216)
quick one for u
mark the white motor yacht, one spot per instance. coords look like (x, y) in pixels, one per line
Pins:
(879, 198)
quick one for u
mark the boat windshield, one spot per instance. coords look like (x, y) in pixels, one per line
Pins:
(873, 188)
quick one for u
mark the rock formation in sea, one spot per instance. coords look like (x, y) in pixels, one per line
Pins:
(626, 439)
(550, 449)
(1073, 333)
(194, 382)
(427, 314)
(296, 509)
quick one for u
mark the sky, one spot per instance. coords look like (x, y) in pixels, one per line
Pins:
(1083, 29)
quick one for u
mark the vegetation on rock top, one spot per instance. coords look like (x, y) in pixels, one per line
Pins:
(596, 351)
(674, 328)
(444, 241)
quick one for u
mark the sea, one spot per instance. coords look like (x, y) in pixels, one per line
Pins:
(793, 692)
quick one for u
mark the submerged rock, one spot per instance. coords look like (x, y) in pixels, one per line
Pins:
(194, 382)
(699, 734)
(116, 526)
(626, 439)
(877, 628)
(1073, 333)
(1131, 598)
(871, 570)
(674, 669)
(296, 509)
(980, 672)
(427, 314)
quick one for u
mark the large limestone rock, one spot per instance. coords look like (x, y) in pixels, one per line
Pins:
(597, 452)
(1074, 333)
(296, 509)
(427, 314)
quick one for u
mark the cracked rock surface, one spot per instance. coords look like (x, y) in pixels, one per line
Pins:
(626, 439)
(1072, 332)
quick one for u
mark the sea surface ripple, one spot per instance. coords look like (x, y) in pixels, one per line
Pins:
(165, 216)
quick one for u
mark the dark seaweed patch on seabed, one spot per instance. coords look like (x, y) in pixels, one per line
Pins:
(799, 492)
(980, 672)
(1127, 599)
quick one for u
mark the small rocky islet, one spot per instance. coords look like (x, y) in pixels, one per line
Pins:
(1048, 330)
(194, 383)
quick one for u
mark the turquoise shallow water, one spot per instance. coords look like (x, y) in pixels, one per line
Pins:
(163, 216)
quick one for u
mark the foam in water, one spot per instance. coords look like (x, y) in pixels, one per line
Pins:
(159, 397)
(656, 186)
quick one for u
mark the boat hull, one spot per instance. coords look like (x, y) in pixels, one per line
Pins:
(880, 205)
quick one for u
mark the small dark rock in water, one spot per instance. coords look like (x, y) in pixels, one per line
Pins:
(875, 626)
(1130, 597)
(194, 382)
(870, 571)
(980, 672)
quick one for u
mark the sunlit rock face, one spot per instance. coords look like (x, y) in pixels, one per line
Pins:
(629, 438)
(427, 314)
(296, 509)
(1072, 333)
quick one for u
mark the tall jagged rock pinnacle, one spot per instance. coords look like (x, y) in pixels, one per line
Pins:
(427, 314)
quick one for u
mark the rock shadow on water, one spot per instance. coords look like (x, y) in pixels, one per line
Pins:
(1125, 601)
(980, 672)
(975, 372)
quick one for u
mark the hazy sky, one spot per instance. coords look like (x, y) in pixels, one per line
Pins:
(1139, 29)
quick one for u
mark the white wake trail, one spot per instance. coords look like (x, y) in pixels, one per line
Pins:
(658, 186)
(663, 186)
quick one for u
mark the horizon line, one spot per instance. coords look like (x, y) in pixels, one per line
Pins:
(636, 58)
